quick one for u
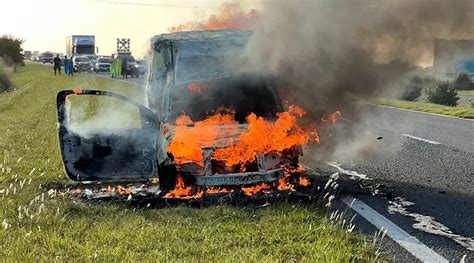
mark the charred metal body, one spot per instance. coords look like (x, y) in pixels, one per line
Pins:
(178, 61)
(243, 178)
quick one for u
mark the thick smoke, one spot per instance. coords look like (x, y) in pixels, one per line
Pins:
(323, 49)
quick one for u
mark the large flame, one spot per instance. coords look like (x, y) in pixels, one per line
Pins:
(264, 136)
(261, 136)
(188, 141)
(237, 147)
(231, 16)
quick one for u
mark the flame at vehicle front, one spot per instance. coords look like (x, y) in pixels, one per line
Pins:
(237, 145)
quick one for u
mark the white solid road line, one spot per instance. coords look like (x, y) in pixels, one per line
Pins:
(422, 112)
(405, 240)
(420, 139)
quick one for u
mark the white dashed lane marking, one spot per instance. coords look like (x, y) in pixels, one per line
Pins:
(400, 236)
(420, 139)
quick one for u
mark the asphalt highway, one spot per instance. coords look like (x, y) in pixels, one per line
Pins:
(421, 176)
(420, 170)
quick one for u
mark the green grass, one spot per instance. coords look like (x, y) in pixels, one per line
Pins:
(468, 93)
(35, 225)
(461, 111)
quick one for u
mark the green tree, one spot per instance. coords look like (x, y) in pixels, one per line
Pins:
(443, 94)
(10, 50)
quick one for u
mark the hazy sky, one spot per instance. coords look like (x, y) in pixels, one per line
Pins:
(44, 24)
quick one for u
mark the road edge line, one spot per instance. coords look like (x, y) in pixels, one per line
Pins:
(397, 234)
(424, 112)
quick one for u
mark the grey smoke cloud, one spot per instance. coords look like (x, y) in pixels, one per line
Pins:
(324, 48)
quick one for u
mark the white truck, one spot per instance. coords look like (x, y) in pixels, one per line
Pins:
(81, 45)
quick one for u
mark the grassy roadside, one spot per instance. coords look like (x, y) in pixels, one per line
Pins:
(461, 111)
(39, 225)
(467, 93)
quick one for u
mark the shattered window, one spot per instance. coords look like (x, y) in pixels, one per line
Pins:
(101, 112)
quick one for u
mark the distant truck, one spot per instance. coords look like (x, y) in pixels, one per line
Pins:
(80, 45)
(27, 55)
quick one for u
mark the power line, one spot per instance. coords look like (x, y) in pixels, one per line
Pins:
(160, 4)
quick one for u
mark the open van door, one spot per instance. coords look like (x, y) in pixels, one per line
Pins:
(106, 136)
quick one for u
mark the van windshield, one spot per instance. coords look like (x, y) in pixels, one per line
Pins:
(204, 60)
(103, 60)
(82, 59)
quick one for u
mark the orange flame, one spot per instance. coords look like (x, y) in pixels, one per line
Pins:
(188, 142)
(260, 137)
(331, 118)
(264, 137)
(303, 181)
(249, 191)
(217, 190)
(182, 192)
(231, 16)
(77, 91)
(195, 88)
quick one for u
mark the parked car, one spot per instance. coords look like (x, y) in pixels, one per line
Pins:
(81, 64)
(102, 64)
(141, 65)
(47, 57)
(132, 68)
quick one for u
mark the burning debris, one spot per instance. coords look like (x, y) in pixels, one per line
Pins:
(118, 191)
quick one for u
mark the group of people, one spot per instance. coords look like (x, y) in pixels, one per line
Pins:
(117, 67)
(68, 66)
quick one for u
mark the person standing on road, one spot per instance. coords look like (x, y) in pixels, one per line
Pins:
(124, 68)
(66, 66)
(57, 65)
(71, 67)
(113, 66)
(118, 70)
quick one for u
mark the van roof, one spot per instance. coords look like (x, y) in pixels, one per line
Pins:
(201, 35)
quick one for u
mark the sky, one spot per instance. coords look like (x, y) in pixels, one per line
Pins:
(45, 24)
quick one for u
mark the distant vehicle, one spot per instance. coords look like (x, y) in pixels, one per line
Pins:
(47, 57)
(132, 65)
(141, 66)
(101, 65)
(81, 45)
(81, 64)
(27, 55)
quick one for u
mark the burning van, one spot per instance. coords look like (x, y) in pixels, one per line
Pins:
(208, 123)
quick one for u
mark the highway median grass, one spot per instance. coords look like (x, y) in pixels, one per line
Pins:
(461, 111)
(37, 223)
(467, 93)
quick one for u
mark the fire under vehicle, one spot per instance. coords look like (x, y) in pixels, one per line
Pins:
(201, 103)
